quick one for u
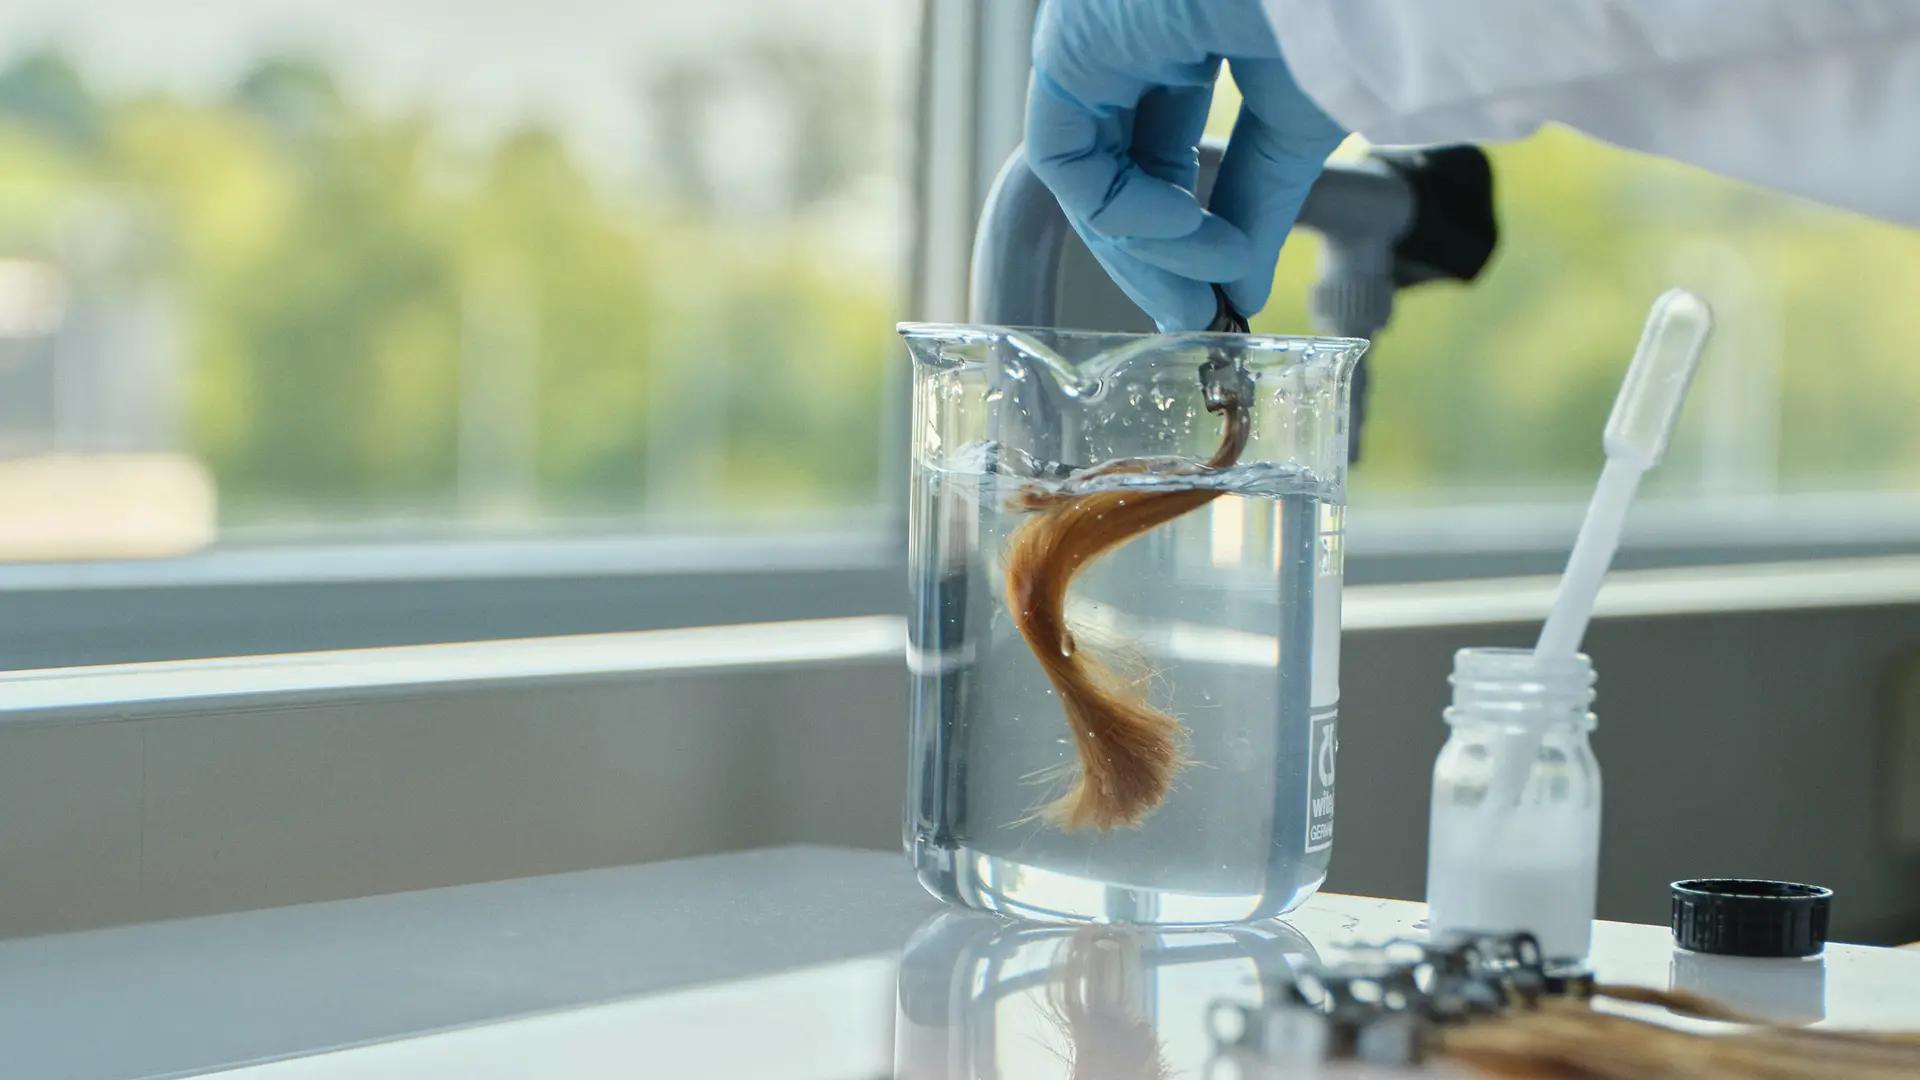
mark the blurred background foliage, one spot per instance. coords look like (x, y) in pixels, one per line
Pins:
(378, 324)
(336, 267)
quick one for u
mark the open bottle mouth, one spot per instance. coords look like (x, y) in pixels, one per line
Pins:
(1516, 684)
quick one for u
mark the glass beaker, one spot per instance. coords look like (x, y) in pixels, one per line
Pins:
(1223, 618)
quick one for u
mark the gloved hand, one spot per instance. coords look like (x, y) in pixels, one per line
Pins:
(1120, 95)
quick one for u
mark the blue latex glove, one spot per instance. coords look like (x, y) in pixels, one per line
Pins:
(1120, 95)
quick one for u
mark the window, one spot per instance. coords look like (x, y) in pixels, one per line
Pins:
(297, 271)
(356, 323)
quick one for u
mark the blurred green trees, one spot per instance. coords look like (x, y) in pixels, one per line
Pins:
(1500, 388)
(349, 286)
(376, 324)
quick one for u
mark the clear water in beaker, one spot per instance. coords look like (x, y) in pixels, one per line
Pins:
(1232, 609)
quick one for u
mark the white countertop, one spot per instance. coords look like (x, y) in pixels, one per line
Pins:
(778, 965)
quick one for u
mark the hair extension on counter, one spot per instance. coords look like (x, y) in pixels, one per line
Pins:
(1567, 1039)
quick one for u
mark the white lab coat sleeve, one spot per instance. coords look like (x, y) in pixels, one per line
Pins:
(1820, 98)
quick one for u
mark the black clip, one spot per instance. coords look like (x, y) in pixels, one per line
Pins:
(1226, 319)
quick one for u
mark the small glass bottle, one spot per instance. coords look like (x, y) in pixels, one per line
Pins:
(1520, 851)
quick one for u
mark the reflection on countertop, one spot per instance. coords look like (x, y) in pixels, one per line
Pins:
(984, 998)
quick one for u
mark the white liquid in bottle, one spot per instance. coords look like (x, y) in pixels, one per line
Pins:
(1539, 876)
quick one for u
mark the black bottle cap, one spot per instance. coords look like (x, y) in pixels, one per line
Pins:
(1731, 917)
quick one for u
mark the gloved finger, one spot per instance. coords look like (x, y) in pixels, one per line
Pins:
(1216, 251)
(1166, 136)
(1081, 152)
(1167, 127)
(1279, 147)
(1168, 276)
(1176, 303)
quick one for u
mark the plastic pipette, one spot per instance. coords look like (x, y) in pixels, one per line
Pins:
(1636, 436)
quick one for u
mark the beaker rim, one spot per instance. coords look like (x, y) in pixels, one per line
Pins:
(1257, 342)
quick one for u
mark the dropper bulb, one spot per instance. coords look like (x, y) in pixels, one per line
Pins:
(1656, 383)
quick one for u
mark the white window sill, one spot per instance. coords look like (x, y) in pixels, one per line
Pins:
(1706, 590)
(108, 691)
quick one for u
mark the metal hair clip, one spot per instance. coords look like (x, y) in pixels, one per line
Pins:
(1227, 385)
(1382, 1004)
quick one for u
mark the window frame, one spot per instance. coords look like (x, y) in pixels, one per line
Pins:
(309, 599)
